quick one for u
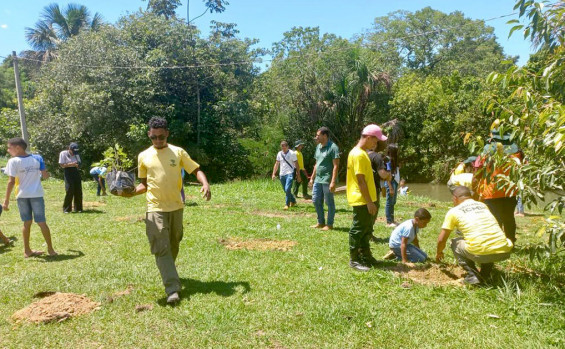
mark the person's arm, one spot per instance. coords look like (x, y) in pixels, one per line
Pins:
(441, 241)
(365, 193)
(205, 190)
(403, 248)
(69, 164)
(275, 169)
(44, 174)
(100, 180)
(416, 242)
(334, 174)
(298, 179)
(384, 174)
(140, 189)
(9, 188)
(313, 174)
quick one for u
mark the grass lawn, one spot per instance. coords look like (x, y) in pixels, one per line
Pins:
(306, 297)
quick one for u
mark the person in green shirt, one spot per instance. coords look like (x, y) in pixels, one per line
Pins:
(362, 196)
(298, 146)
(324, 177)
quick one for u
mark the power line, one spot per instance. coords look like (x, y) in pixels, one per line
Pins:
(247, 62)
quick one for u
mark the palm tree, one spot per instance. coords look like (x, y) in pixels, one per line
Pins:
(56, 26)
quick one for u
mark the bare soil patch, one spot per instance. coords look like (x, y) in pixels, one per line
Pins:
(131, 219)
(430, 274)
(258, 244)
(55, 307)
(419, 204)
(90, 204)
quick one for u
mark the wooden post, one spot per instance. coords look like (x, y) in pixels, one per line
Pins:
(198, 112)
(25, 135)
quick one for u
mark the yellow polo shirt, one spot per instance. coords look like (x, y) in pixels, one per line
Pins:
(480, 229)
(358, 162)
(300, 159)
(162, 169)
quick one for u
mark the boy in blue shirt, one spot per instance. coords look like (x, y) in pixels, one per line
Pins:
(404, 238)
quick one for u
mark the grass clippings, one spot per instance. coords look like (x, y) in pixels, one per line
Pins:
(258, 244)
(56, 307)
(430, 274)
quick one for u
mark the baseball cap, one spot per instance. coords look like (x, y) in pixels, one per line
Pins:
(374, 130)
(74, 147)
(297, 143)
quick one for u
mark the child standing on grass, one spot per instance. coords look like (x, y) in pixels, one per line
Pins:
(403, 188)
(28, 169)
(404, 239)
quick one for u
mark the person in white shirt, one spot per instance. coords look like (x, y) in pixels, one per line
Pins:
(28, 169)
(288, 163)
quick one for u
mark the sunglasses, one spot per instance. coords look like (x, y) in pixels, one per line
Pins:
(159, 137)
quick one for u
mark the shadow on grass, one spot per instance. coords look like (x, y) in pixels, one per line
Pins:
(61, 257)
(221, 288)
(91, 211)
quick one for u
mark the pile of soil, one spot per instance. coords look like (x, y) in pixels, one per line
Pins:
(431, 274)
(56, 307)
(258, 244)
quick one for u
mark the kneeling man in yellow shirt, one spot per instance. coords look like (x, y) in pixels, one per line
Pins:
(483, 241)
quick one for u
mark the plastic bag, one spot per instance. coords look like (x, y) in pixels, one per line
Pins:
(121, 182)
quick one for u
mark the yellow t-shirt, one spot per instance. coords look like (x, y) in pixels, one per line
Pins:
(464, 179)
(300, 159)
(480, 229)
(459, 169)
(358, 162)
(162, 169)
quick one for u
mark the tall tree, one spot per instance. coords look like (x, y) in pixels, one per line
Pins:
(436, 43)
(57, 26)
(164, 8)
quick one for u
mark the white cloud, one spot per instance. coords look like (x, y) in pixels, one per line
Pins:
(3, 26)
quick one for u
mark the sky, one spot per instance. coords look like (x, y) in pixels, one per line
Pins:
(267, 20)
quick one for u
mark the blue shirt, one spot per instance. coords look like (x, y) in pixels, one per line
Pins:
(405, 230)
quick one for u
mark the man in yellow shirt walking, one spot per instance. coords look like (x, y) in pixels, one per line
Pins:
(362, 196)
(159, 169)
(483, 240)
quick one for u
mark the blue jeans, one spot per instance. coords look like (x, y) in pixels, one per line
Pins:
(320, 193)
(414, 254)
(286, 182)
(390, 201)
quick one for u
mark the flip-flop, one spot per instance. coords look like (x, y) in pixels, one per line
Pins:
(34, 254)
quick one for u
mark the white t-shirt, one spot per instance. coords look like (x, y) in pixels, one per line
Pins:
(27, 170)
(65, 157)
(290, 157)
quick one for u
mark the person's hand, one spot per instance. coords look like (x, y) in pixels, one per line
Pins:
(311, 182)
(372, 208)
(5, 205)
(273, 177)
(409, 264)
(298, 179)
(206, 194)
(332, 187)
(439, 257)
(391, 191)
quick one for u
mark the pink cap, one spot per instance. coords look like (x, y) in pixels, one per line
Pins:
(374, 130)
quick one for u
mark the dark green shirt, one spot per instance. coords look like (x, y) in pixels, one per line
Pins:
(324, 162)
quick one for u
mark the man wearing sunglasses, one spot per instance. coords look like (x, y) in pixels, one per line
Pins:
(159, 169)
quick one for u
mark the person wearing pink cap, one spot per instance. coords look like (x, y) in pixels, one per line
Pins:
(362, 196)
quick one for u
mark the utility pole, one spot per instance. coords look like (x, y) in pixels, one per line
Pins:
(25, 135)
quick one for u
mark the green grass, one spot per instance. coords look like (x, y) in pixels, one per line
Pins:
(304, 298)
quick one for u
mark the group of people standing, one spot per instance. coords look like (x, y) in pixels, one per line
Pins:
(482, 240)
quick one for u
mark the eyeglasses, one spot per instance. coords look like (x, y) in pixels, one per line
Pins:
(159, 137)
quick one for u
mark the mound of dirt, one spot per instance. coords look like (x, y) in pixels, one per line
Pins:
(56, 307)
(430, 274)
(258, 244)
